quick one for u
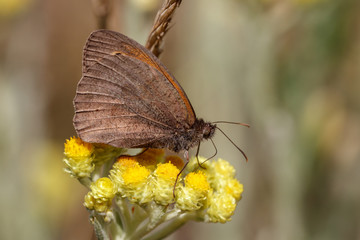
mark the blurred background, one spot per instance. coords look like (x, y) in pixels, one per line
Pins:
(289, 68)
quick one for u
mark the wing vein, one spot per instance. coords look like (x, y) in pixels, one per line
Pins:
(154, 89)
(140, 99)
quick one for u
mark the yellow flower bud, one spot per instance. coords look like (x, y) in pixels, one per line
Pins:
(101, 195)
(221, 177)
(222, 207)
(234, 188)
(223, 168)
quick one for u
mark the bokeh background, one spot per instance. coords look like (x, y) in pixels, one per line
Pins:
(289, 68)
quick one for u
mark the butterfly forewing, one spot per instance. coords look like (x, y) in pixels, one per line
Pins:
(125, 98)
(105, 42)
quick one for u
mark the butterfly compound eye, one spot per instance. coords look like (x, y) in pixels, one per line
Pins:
(208, 130)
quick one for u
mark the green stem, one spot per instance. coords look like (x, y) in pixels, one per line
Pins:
(154, 221)
(96, 174)
(117, 226)
(123, 211)
(171, 227)
(99, 227)
(85, 181)
(139, 216)
(107, 166)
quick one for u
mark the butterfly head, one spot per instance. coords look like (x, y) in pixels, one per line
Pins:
(206, 130)
(209, 130)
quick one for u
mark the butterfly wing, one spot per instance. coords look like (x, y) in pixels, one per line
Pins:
(126, 97)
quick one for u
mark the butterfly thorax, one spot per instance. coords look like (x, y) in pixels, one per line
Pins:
(199, 131)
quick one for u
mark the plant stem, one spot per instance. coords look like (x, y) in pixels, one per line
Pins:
(160, 26)
(101, 10)
(171, 227)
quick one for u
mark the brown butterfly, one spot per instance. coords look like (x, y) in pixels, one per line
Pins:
(127, 98)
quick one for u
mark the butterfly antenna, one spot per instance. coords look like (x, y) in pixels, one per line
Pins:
(236, 123)
(234, 144)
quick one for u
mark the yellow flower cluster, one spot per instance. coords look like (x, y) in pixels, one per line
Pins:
(226, 192)
(144, 178)
(212, 191)
(150, 178)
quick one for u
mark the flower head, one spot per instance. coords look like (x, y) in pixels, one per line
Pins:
(77, 148)
(132, 180)
(164, 183)
(197, 181)
(78, 157)
(101, 195)
(192, 196)
(221, 208)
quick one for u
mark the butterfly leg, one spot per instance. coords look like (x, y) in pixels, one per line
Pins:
(186, 155)
(200, 164)
(197, 157)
